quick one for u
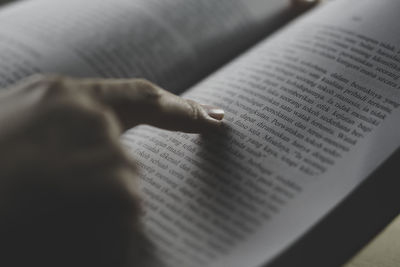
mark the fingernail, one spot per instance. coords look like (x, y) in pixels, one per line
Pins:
(214, 112)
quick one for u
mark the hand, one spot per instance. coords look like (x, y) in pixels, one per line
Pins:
(67, 188)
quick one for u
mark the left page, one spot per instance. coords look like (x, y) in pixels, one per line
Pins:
(172, 43)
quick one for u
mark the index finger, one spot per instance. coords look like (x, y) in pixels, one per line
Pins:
(137, 101)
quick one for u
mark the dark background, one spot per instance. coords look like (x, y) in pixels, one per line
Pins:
(4, 1)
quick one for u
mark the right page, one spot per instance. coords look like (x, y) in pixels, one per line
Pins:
(311, 112)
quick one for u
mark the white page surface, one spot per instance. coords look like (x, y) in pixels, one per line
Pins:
(311, 113)
(173, 43)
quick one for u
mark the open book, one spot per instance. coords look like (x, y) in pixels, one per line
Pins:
(311, 111)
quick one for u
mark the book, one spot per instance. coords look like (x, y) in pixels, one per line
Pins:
(311, 117)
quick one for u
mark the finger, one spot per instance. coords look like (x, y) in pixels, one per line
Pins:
(138, 101)
(180, 114)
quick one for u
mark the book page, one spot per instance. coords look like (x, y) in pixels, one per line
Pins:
(311, 112)
(172, 43)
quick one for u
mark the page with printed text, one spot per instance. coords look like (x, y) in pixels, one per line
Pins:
(173, 43)
(310, 113)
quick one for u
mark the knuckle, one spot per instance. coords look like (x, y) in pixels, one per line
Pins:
(43, 82)
(63, 99)
(48, 80)
(144, 83)
(61, 87)
(194, 109)
(150, 91)
(56, 85)
(49, 85)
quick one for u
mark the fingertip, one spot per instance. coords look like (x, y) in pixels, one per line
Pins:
(203, 116)
(214, 112)
(200, 118)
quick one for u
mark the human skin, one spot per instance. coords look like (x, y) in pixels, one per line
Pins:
(67, 187)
